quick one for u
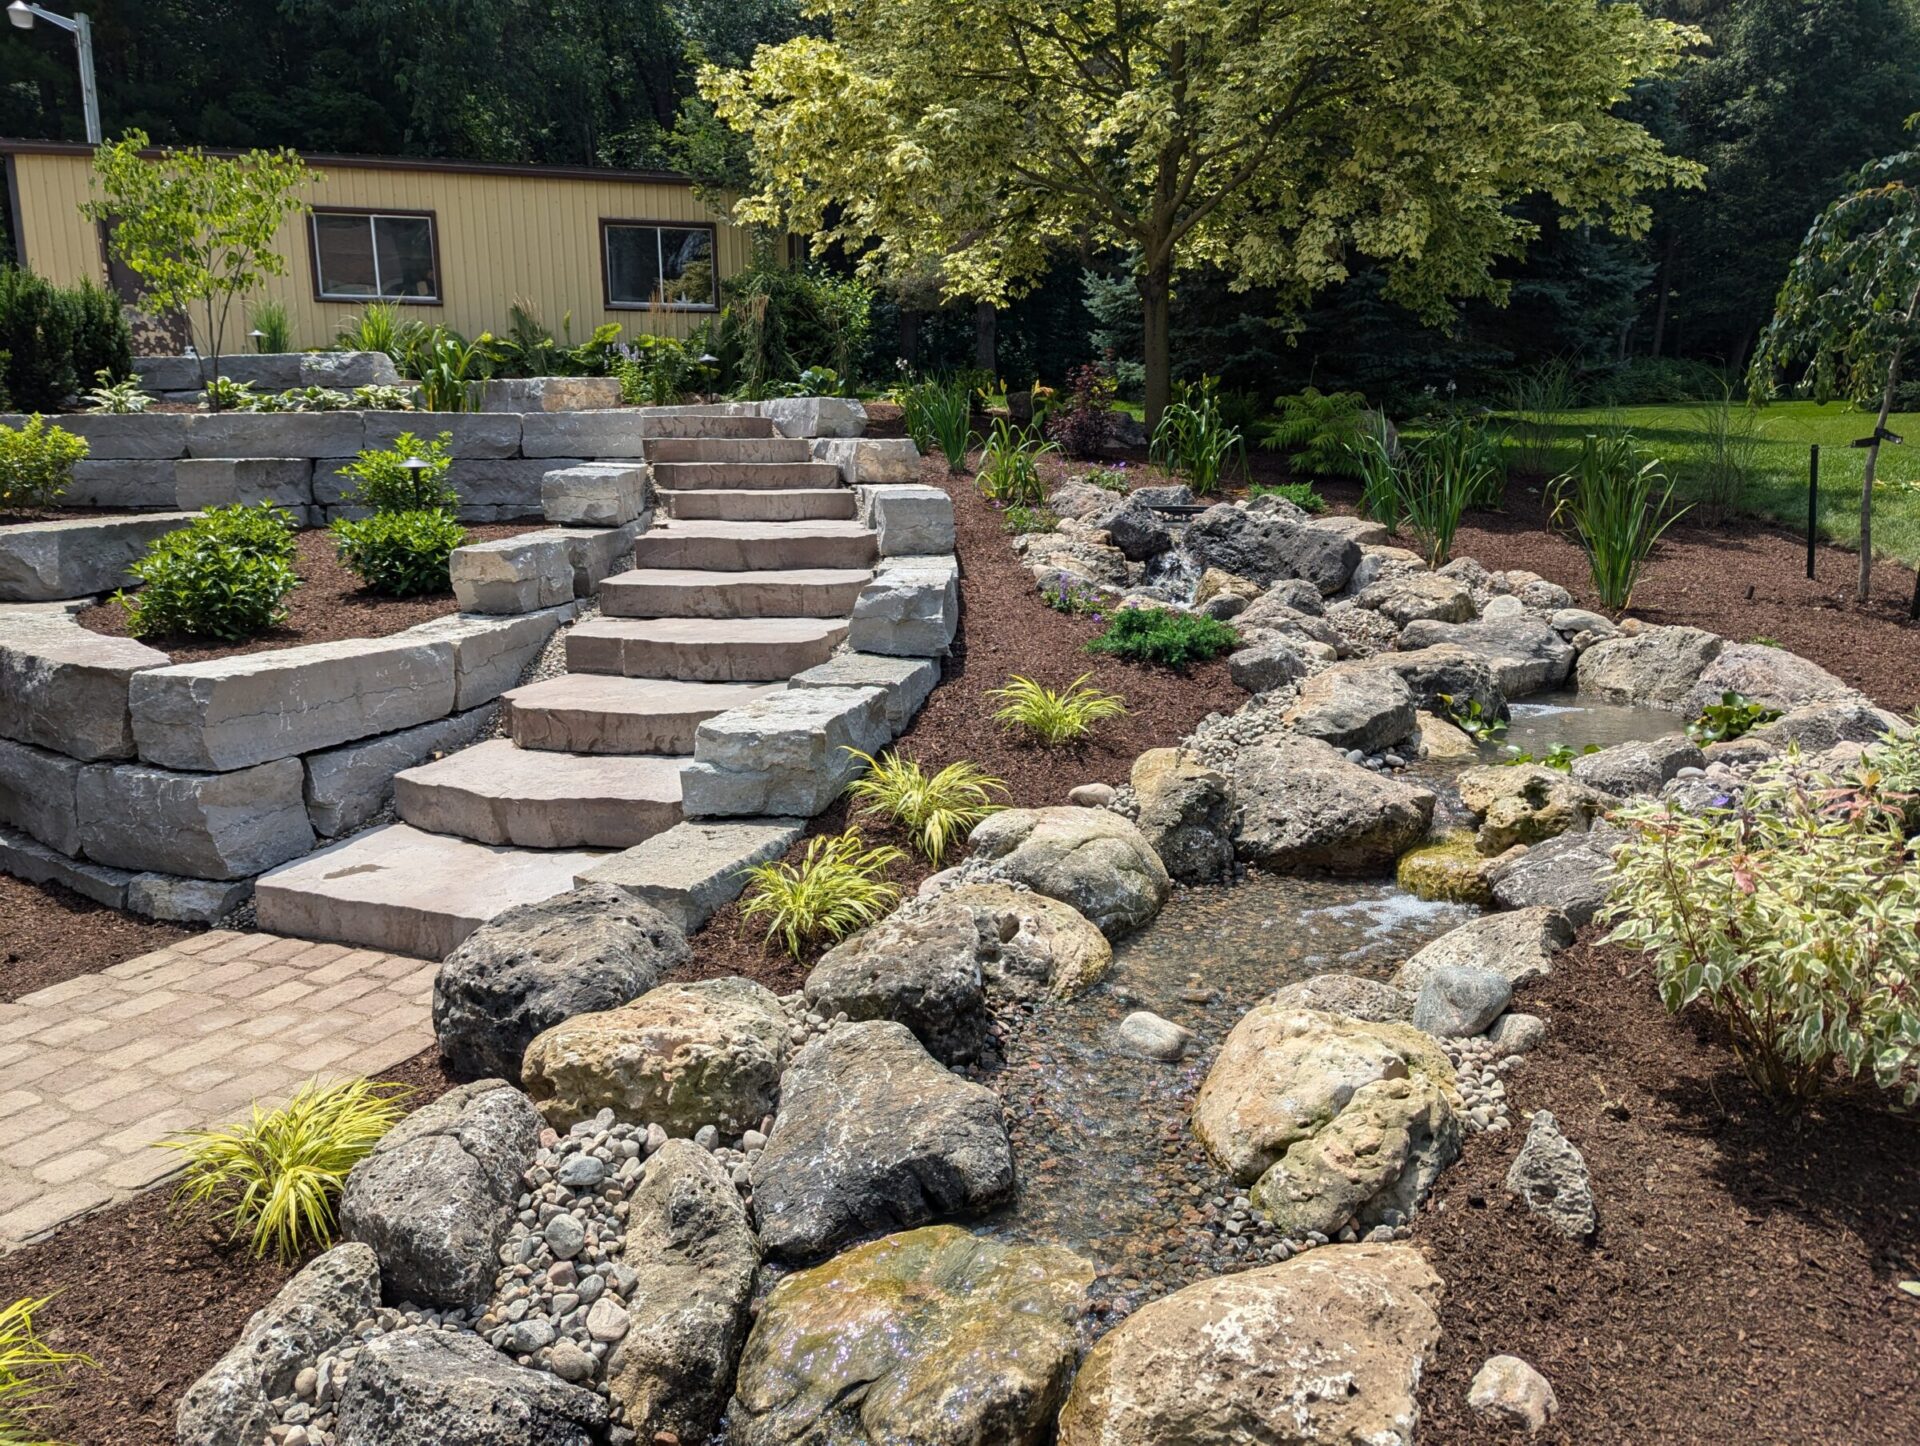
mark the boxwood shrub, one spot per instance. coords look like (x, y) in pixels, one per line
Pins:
(224, 576)
(400, 554)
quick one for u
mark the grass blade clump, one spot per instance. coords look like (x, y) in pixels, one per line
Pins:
(1619, 508)
(29, 1367)
(937, 809)
(1053, 718)
(835, 889)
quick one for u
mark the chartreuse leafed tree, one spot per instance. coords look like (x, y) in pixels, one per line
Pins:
(197, 229)
(1850, 309)
(1275, 139)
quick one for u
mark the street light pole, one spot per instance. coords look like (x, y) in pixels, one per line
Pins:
(23, 14)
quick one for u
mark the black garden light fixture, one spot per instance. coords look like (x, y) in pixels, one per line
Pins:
(707, 361)
(259, 339)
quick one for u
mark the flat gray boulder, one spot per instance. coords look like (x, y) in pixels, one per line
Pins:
(1353, 707)
(1444, 678)
(1525, 654)
(1349, 994)
(1517, 946)
(1772, 677)
(874, 1134)
(1269, 545)
(1419, 597)
(1818, 727)
(422, 1385)
(921, 967)
(1459, 1000)
(1633, 768)
(436, 1195)
(1305, 809)
(1089, 858)
(1271, 663)
(1569, 873)
(1650, 668)
(536, 965)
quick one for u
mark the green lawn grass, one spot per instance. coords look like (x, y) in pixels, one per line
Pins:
(1777, 489)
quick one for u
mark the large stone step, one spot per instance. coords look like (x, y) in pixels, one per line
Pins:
(705, 476)
(729, 449)
(755, 546)
(736, 504)
(681, 426)
(715, 650)
(669, 592)
(602, 713)
(498, 794)
(408, 892)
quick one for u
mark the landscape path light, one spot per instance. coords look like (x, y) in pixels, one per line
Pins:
(81, 29)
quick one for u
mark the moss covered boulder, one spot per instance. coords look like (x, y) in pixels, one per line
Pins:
(1451, 869)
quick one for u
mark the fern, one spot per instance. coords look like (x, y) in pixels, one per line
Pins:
(1318, 430)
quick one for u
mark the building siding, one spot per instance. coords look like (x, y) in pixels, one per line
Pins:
(502, 237)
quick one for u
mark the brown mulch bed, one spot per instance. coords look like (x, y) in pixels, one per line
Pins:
(153, 1300)
(49, 934)
(328, 605)
(1743, 1284)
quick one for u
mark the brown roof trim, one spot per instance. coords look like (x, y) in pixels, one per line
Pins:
(12, 147)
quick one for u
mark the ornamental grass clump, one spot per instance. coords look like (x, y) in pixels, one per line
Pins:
(1619, 507)
(836, 888)
(1009, 472)
(29, 1368)
(1053, 718)
(1792, 917)
(937, 809)
(939, 417)
(276, 1178)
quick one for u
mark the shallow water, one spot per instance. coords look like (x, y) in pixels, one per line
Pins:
(1542, 722)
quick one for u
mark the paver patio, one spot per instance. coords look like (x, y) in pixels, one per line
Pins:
(94, 1069)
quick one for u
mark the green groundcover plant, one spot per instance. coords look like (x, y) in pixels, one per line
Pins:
(1160, 635)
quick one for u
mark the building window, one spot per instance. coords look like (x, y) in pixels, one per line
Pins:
(387, 254)
(647, 264)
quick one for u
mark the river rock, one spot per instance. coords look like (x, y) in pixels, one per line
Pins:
(693, 1254)
(1305, 809)
(1651, 668)
(1270, 544)
(1460, 1000)
(1268, 664)
(435, 1196)
(1772, 677)
(1186, 813)
(537, 965)
(1630, 768)
(874, 1134)
(1419, 596)
(1525, 654)
(1517, 946)
(1145, 1035)
(1283, 1075)
(1526, 804)
(423, 1385)
(1088, 858)
(232, 1404)
(1326, 1349)
(1550, 1175)
(1506, 1391)
(680, 1056)
(1353, 706)
(935, 1337)
(1046, 948)
(1348, 994)
(921, 967)
(1570, 874)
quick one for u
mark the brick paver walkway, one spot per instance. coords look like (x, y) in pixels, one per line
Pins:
(95, 1069)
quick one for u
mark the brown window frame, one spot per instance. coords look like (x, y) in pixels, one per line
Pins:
(432, 218)
(606, 271)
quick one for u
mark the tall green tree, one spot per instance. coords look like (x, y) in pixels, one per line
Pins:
(1276, 141)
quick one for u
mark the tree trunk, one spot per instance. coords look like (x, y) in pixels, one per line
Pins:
(1864, 589)
(1666, 290)
(1156, 302)
(986, 337)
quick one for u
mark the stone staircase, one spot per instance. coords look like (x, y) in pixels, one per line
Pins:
(746, 578)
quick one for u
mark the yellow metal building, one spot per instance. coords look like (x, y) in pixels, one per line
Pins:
(455, 242)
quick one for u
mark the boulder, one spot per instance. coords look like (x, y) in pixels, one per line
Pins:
(1459, 1000)
(1526, 804)
(693, 1253)
(1326, 1349)
(1822, 726)
(1651, 668)
(1572, 622)
(1305, 808)
(1283, 600)
(537, 965)
(319, 1309)
(1091, 859)
(1630, 768)
(1525, 654)
(1266, 665)
(1550, 1176)
(1353, 706)
(1186, 813)
(1283, 1075)
(1772, 677)
(934, 1337)
(435, 1196)
(1084, 502)
(1513, 1034)
(1139, 532)
(681, 1056)
(1450, 869)
(1380, 561)
(1216, 583)
(425, 1385)
(1047, 949)
(594, 494)
(39, 795)
(874, 1134)
(45, 561)
(786, 755)
(1434, 738)
(1444, 678)
(1420, 596)
(1569, 874)
(520, 574)
(1506, 1391)
(1348, 994)
(1145, 1035)
(1517, 946)
(1268, 545)
(910, 608)
(878, 460)
(922, 967)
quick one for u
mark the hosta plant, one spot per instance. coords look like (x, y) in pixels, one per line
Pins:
(1792, 916)
(1052, 718)
(121, 398)
(837, 887)
(937, 809)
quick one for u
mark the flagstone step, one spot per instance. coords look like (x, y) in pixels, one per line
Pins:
(729, 449)
(675, 592)
(603, 713)
(713, 650)
(755, 546)
(662, 426)
(496, 793)
(406, 891)
(786, 504)
(670, 476)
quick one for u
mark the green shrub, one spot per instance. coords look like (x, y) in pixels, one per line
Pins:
(399, 554)
(121, 398)
(1009, 472)
(383, 482)
(1734, 716)
(1300, 494)
(1618, 511)
(36, 463)
(653, 371)
(1052, 718)
(1159, 635)
(29, 1367)
(1193, 440)
(937, 809)
(276, 1178)
(1320, 432)
(778, 321)
(224, 576)
(835, 888)
(56, 337)
(1792, 918)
